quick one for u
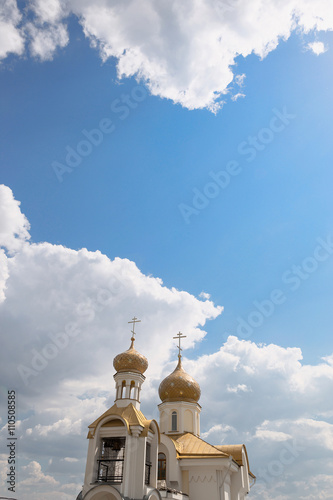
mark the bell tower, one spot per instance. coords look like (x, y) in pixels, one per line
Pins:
(123, 444)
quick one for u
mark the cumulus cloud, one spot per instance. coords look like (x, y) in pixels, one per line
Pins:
(317, 48)
(46, 39)
(183, 51)
(49, 11)
(285, 418)
(11, 37)
(14, 226)
(62, 427)
(65, 318)
(14, 231)
(36, 476)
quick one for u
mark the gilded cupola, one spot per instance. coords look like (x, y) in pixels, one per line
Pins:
(179, 386)
(130, 361)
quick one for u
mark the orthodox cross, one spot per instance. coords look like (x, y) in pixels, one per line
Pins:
(134, 320)
(179, 336)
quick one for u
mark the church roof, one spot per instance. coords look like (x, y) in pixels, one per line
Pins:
(190, 446)
(129, 414)
(236, 451)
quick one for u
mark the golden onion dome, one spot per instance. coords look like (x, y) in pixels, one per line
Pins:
(130, 361)
(179, 386)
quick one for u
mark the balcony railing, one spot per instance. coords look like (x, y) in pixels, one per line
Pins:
(147, 472)
(110, 470)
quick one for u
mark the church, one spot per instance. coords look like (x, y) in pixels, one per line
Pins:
(132, 458)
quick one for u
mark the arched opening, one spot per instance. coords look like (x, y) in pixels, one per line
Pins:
(161, 473)
(105, 492)
(132, 390)
(174, 422)
(111, 460)
(123, 388)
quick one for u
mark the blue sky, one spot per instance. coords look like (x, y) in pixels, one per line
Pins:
(124, 197)
(129, 193)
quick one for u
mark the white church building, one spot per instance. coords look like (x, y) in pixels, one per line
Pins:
(132, 458)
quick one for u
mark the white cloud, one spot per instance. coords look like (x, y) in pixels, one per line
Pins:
(218, 430)
(237, 96)
(3, 274)
(183, 51)
(238, 388)
(268, 435)
(49, 11)
(11, 38)
(14, 231)
(46, 39)
(239, 79)
(3, 468)
(204, 295)
(62, 427)
(317, 47)
(328, 359)
(285, 420)
(36, 475)
(14, 226)
(65, 318)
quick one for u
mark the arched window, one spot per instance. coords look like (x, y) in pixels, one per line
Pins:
(123, 389)
(132, 390)
(161, 467)
(119, 392)
(174, 421)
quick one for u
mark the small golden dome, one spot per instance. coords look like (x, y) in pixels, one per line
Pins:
(130, 361)
(179, 386)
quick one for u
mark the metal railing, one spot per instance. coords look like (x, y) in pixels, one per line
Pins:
(110, 470)
(147, 472)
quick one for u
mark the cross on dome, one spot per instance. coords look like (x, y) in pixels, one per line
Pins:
(180, 336)
(134, 320)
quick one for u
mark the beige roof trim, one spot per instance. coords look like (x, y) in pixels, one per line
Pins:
(129, 415)
(235, 450)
